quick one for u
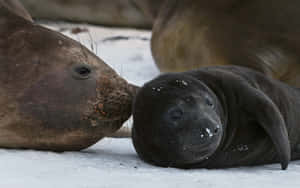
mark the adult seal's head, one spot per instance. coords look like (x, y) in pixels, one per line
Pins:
(54, 93)
(177, 121)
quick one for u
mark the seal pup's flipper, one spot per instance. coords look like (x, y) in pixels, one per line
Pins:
(268, 116)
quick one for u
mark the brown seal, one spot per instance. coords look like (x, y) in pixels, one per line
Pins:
(54, 93)
(129, 13)
(16, 7)
(263, 35)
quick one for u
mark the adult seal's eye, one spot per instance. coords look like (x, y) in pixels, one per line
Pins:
(81, 72)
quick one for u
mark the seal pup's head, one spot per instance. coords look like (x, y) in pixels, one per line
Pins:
(177, 121)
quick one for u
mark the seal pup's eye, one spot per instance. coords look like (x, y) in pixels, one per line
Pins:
(81, 72)
(209, 102)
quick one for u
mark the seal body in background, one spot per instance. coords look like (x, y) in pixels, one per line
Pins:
(16, 7)
(118, 13)
(262, 35)
(54, 93)
(216, 117)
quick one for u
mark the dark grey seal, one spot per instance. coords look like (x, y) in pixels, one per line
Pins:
(217, 117)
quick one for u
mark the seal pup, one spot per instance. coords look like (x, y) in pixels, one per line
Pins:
(54, 93)
(216, 117)
(121, 13)
(262, 35)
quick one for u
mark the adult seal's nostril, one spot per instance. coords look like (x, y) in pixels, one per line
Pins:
(81, 72)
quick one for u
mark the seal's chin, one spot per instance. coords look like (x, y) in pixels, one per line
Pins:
(194, 155)
(106, 119)
(182, 159)
(186, 155)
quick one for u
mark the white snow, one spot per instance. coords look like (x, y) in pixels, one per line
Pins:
(113, 163)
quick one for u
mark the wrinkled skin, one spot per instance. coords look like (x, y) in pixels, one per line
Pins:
(262, 35)
(54, 93)
(216, 117)
(126, 13)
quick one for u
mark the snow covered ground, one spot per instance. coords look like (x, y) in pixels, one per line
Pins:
(113, 162)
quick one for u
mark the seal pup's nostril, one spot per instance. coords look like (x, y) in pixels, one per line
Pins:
(216, 130)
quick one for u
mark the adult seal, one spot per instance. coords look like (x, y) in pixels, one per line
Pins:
(262, 35)
(216, 117)
(54, 93)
